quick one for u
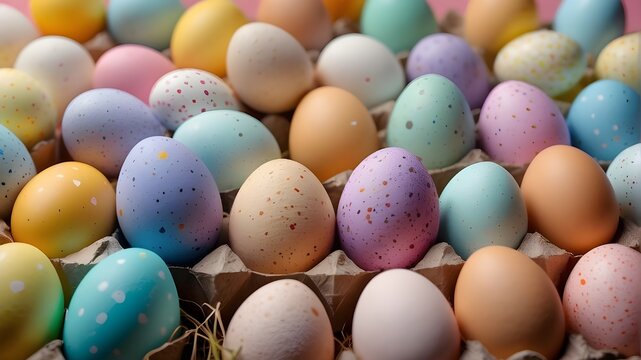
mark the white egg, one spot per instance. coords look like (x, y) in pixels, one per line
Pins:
(17, 31)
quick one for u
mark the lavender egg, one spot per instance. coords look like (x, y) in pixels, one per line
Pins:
(388, 214)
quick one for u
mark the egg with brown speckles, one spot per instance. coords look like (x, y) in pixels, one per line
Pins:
(601, 298)
(619, 60)
(17, 168)
(282, 220)
(388, 214)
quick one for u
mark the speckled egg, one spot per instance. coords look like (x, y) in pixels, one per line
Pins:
(624, 174)
(183, 93)
(27, 108)
(619, 60)
(168, 201)
(101, 126)
(282, 220)
(450, 56)
(126, 306)
(284, 319)
(432, 119)
(232, 144)
(601, 298)
(17, 32)
(605, 118)
(519, 120)
(482, 206)
(547, 59)
(388, 214)
(17, 168)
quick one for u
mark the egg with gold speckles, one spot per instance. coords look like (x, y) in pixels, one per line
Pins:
(282, 220)
(388, 214)
(167, 201)
(547, 59)
(126, 306)
(17, 168)
(619, 60)
(601, 298)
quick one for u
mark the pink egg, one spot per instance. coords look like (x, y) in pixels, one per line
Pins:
(602, 298)
(131, 68)
(519, 120)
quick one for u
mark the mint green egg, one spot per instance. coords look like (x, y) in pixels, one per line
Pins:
(399, 24)
(432, 119)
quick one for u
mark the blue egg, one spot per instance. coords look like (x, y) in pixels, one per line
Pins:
(16, 169)
(126, 306)
(605, 118)
(232, 144)
(481, 206)
(591, 23)
(624, 174)
(167, 201)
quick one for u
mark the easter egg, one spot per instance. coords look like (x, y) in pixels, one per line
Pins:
(17, 168)
(624, 174)
(619, 60)
(79, 20)
(17, 32)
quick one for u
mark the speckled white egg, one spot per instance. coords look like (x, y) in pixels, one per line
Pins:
(183, 93)
(17, 31)
(16, 168)
(282, 320)
(619, 60)
(624, 174)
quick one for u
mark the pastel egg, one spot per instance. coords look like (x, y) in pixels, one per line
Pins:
(619, 60)
(519, 120)
(601, 298)
(388, 213)
(168, 201)
(232, 144)
(624, 174)
(17, 32)
(126, 306)
(17, 168)
(549, 60)
(183, 93)
(101, 126)
(53, 18)
(432, 119)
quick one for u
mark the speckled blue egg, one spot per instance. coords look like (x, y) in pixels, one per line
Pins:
(126, 306)
(101, 126)
(481, 206)
(432, 119)
(624, 174)
(16, 168)
(232, 144)
(605, 119)
(452, 57)
(168, 202)
(388, 213)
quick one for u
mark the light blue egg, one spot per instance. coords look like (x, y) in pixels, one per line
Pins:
(432, 120)
(124, 307)
(591, 23)
(16, 169)
(624, 174)
(605, 118)
(398, 24)
(144, 22)
(481, 206)
(232, 144)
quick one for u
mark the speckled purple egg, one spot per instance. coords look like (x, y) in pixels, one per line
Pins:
(168, 202)
(452, 57)
(388, 214)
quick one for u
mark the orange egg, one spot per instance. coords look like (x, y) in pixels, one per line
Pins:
(347, 9)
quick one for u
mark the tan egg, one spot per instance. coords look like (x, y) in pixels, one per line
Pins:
(268, 68)
(306, 20)
(569, 199)
(282, 220)
(507, 302)
(331, 132)
(621, 60)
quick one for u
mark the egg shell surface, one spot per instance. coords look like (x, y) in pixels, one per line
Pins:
(619, 60)
(17, 168)
(624, 174)
(17, 32)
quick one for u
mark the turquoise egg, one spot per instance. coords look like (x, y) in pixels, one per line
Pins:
(398, 24)
(124, 307)
(432, 120)
(481, 206)
(232, 144)
(624, 174)
(16, 168)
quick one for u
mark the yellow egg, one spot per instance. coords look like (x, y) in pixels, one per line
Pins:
(202, 35)
(347, 9)
(79, 20)
(31, 301)
(620, 60)
(26, 108)
(64, 208)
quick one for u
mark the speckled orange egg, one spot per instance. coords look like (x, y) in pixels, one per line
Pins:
(569, 199)
(282, 220)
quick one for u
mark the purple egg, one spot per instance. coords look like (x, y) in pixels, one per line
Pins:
(388, 214)
(452, 57)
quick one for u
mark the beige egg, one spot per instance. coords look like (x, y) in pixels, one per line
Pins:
(621, 60)
(282, 220)
(268, 68)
